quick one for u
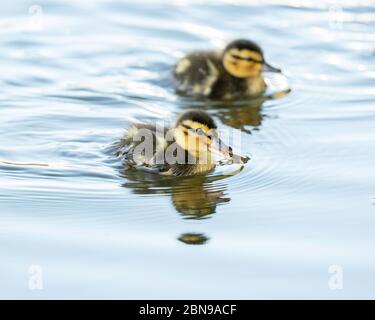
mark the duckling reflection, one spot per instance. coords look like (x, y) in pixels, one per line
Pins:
(193, 238)
(246, 116)
(194, 197)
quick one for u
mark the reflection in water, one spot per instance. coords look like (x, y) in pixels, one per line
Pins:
(193, 197)
(241, 116)
(236, 115)
(193, 238)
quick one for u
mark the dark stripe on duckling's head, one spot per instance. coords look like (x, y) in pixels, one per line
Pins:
(197, 116)
(242, 44)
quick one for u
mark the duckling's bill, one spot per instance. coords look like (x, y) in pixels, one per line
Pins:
(268, 68)
(218, 148)
(223, 153)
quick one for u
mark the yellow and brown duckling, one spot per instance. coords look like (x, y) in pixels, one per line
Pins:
(232, 73)
(189, 148)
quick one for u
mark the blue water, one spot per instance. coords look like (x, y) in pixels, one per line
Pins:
(74, 75)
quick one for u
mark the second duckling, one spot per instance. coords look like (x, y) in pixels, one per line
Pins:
(232, 73)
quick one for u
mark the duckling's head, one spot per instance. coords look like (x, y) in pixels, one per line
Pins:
(196, 132)
(245, 59)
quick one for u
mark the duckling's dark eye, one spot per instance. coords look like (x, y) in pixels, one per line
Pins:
(199, 131)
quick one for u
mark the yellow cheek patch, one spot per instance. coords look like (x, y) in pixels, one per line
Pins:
(189, 140)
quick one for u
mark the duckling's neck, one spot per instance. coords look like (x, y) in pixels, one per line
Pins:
(238, 87)
(202, 168)
(204, 163)
(194, 165)
(192, 170)
(255, 85)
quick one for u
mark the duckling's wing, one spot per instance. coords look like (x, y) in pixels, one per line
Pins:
(153, 165)
(138, 157)
(198, 72)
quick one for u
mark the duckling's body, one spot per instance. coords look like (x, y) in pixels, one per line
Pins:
(166, 140)
(233, 73)
(202, 75)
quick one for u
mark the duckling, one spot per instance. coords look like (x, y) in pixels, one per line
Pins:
(187, 149)
(233, 73)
